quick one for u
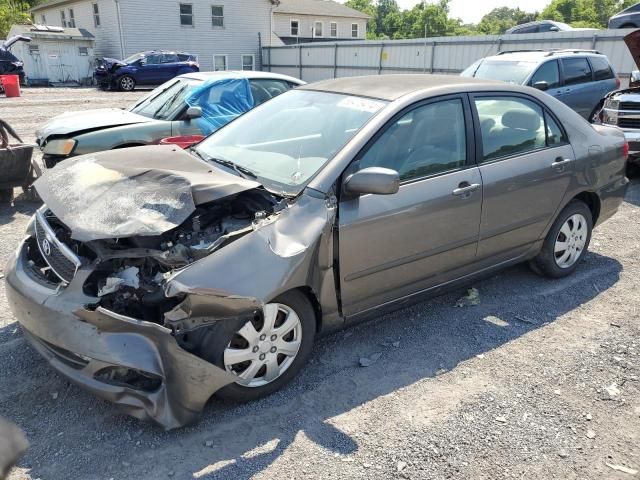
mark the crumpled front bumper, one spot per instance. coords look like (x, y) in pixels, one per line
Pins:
(80, 343)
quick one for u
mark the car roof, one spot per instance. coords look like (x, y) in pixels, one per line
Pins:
(248, 74)
(392, 87)
(539, 56)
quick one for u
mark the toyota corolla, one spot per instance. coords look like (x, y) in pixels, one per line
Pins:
(156, 277)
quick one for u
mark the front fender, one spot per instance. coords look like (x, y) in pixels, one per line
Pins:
(139, 134)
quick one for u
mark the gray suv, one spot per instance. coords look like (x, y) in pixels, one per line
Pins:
(627, 18)
(578, 78)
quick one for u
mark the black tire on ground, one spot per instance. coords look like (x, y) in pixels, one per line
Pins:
(126, 83)
(218, 337)
(6, 195)
(545, 262)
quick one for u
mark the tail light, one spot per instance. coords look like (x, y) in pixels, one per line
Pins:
(625, 150)
(617, 83)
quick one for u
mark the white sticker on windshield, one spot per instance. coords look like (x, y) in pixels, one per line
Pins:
(361, 104)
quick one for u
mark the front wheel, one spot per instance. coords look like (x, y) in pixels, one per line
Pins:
(126, 83)
(263, 353)
(566, 243)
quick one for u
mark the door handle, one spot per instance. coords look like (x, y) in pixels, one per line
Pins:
(465, 189)
(560, 162)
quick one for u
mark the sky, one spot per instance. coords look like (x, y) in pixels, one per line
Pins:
(471, 11)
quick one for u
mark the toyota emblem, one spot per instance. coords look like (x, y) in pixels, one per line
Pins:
(46, 247)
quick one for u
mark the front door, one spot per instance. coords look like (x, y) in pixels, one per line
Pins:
(394, 245)
(526, 164)
(149, 70)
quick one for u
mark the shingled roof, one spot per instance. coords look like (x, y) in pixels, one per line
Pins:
(325, 8)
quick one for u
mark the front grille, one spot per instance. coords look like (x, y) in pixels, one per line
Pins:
(628, 122)
(60, 258)
(629, 106)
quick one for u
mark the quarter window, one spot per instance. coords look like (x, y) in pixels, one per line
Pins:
(96, 15)
(601, 68)
(217, 15)
(295, 28)
(186, 15)
(428, 140)
(317, 29)
(548, 72)
(354, 30)
(334, 29)
(576, 70)
(219, 63)
(509, 126)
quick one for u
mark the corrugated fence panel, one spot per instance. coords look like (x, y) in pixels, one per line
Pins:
(437, 55)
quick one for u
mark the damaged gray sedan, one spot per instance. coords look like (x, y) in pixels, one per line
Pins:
(155, 277)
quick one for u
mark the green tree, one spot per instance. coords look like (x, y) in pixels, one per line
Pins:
(498, 20)
(13, 12)
(583, 13)
(368, 7)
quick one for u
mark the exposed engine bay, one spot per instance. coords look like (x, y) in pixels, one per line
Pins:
(130, 273)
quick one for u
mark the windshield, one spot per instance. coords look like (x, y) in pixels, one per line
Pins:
(166, 101)
(285, 141)
(507, 71)
(133, 58)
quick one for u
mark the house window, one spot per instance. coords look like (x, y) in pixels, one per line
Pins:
(43, 19)
(334, 29)
(83, 51)
(354, 30)
(72, 21)
(63, 19)
(219, 63)
(295, 27)
(248, 62)
(217, 15)
(186, 15)
(34, 49)
(317, 29)
(96, 15)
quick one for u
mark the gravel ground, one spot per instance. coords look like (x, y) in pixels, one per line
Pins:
(540, 381)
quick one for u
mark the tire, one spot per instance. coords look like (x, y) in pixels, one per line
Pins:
(6, 195)
(219, 338)
(126, 83)
(577, 220)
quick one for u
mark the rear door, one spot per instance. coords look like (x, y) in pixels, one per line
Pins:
(526, 165)
(395, 245)
(603, 75)
(169, 66)
(579, 91)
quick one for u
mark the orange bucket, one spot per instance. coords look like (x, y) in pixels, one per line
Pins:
(11, 85)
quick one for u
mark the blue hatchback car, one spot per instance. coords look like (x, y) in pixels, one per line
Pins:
(578, 78)
(144, 68)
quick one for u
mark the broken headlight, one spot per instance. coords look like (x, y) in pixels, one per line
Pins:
(60, 147)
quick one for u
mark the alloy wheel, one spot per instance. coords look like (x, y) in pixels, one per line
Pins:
(571, 241)
(263, 349)
(127, 83)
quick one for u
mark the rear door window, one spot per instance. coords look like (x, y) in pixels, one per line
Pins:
(601, 68)
(547, 72)
(576, 70)
(170, 58)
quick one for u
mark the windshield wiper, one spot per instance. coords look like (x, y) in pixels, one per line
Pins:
(242, 171)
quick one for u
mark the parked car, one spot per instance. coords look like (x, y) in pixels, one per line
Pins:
(156, 276)
(145, 68)
(9, 63)
(579, 78)
(191, 104)
(622, 107)
(542, 26)
(627, 18)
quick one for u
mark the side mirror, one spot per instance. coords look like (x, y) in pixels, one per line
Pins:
(374, 180)
(544, 86)
(193, 112)
(634, 79)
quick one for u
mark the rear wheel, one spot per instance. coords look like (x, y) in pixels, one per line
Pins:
(263, 353)
(566, 243)
(126, 83)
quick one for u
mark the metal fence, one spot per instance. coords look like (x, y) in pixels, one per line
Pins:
(450, 55)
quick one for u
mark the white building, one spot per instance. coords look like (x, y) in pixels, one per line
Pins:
(224, 34)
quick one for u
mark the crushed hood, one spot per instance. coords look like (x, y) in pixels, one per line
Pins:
(113, 61)
(75, 122)
(141, 191)
(633, 44)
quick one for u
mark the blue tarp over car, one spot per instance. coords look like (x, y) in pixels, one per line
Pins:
(221, 101)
